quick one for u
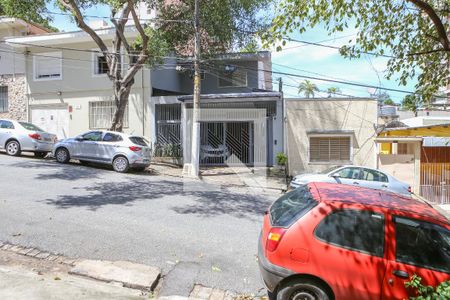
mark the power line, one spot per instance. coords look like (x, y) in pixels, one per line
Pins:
(119, 19)
(84, 50)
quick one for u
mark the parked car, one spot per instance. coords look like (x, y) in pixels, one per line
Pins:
(329, 241)
(120, 150)
(17, 136)
(355, 175)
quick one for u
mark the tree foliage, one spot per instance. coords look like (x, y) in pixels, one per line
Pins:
(423, 292)
(28, 10)
(225, 25)
(413, 33)
(412, 103)
(307, 88)
(333, 91)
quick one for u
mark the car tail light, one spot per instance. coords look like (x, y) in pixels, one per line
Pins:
(35, 136)
(409, 189)
(274, 238)
(135, 149)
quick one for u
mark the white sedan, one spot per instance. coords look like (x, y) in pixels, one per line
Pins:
(357, 176)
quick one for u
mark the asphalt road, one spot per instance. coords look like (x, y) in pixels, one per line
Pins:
(209, 232)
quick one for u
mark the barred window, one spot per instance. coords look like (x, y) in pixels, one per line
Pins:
(330, 149)
(3, 98)
(101, 114)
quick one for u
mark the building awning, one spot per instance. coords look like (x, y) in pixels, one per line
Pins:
(398, 139)
(236, 97)
(436, 142)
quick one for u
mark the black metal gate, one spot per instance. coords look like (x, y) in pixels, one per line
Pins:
(226, 143)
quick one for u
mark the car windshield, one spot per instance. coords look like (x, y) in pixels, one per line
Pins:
(29, 126)
(290, 207)
(139, 141)
(326, 171)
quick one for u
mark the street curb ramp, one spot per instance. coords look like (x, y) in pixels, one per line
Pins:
(130, 275)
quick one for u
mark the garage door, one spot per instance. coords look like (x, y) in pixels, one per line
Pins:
(53, 120)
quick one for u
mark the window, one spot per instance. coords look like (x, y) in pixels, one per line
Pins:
(101, 114)
(236, 78)
(29, 126)
(48, 66)
(372, 175)
(292, 206)
(94, 136)
(329, 149)
(100, 64)
(139, 141)
(402, 148)
(422, 244)
(3, 98)
(353, 229)
(111, 137)
(349, 173)
(6, 124)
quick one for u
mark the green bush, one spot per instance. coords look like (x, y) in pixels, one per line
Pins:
(281, 159)
(441, 292)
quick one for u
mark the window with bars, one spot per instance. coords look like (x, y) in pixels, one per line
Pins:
(3, 98)
(101, 114)
(48, 66)
(330, 149)
(237, 78)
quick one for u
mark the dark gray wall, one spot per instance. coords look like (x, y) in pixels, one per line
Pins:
(174, 81)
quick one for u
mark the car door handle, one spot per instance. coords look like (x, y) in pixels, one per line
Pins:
(401, 274)
(384, 185)
(355, 182)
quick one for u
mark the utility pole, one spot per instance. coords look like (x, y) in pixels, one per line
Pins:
(195, 142)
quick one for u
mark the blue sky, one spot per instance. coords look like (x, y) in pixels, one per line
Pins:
(306, 60)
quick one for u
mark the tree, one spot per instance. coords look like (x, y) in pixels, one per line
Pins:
(412, 33)
(307, 88)
(389, 102)
(412, 103)
(332, 91)
(28, 10)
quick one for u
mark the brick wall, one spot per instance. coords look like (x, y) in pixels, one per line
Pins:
(17, 104)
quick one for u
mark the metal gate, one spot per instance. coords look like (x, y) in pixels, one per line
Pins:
(168, 130)
(435, 182)
(226, 143)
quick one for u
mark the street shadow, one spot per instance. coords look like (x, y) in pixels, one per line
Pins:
(53, 170)
(206, 202)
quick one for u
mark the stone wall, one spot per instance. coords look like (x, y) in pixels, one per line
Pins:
(16, 97)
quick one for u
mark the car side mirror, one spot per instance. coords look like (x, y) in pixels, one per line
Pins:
(79, 139)
(336, 175)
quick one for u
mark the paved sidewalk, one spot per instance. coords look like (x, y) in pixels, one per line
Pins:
(260, 179)
(23, 277)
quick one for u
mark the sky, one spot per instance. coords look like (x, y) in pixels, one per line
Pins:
(306, 60)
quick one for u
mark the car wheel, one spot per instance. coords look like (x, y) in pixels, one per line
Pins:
(13, 148)
(62, 155)
(121, 164)
(303, 289)
(40, 154)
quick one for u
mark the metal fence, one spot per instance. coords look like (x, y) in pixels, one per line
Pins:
(435, 182)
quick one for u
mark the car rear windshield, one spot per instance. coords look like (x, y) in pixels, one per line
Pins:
(291, 207)
(29, 126)
(139, 141)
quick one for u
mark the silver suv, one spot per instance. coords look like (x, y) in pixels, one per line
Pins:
(120, 150)
(17, 136)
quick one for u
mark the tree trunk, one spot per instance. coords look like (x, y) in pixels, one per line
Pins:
(121, 94)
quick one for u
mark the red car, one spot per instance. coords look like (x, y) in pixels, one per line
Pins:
(332, 241)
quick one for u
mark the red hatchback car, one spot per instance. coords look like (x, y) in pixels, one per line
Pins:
(333, 241)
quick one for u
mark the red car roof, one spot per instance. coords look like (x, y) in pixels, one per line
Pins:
(372, 197)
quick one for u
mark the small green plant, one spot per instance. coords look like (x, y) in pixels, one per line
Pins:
(441, 292)
(281, 159)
